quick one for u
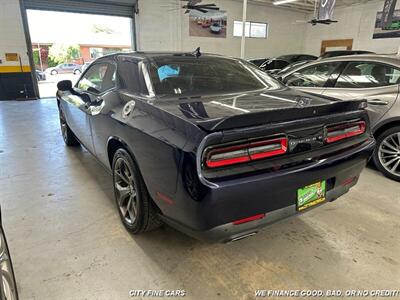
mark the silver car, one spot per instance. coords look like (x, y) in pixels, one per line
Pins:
(372, 77)
(65, 68)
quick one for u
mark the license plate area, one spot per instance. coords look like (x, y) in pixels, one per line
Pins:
(311, 195)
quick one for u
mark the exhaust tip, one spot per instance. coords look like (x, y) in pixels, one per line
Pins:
(241, 237)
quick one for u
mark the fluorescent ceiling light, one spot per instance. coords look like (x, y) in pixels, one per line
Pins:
(279, 2)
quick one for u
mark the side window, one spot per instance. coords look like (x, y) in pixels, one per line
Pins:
(367, 75)
(314, 76)
(98, 78)
(280, 64)
(129, 72)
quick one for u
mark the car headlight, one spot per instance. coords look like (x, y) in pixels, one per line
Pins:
(9, 289)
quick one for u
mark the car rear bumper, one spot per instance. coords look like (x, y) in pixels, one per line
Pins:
(273, 194)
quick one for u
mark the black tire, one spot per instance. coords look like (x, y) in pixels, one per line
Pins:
(68, 136)
(76, 72)
(393, 136)
(53, 72)
(129, 187)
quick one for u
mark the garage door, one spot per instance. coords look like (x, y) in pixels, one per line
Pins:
(122, 8)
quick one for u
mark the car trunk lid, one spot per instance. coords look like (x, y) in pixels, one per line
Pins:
(216, 113)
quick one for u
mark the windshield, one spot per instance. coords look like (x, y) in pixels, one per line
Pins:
(291, 66)
(190, 76)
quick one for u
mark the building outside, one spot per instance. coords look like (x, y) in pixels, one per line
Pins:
(87, 53)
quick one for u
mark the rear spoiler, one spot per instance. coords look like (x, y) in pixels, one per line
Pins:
(281, 115)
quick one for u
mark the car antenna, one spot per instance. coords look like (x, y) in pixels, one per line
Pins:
(197, 52)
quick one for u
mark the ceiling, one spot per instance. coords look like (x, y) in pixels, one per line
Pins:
(309, 5)
(123, 2)
(303, 5)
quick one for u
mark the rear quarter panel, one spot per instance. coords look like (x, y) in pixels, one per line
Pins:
(156, 139)
(388, 94)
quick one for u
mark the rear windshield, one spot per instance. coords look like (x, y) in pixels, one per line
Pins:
(189, 76)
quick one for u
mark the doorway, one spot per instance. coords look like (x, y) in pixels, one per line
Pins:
(64, 44)
(332, 45)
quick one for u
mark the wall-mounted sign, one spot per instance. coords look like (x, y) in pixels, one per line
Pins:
(325, 9)
(209, 24)
(12, 57)
(391, 30)
(387, 13)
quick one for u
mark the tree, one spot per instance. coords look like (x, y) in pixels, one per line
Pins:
(36, 59)
(61, 53)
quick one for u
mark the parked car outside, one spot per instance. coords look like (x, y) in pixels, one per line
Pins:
(81, 68)
(209, 144)
(337, 53)
(8, 289)
(375, 78)
(40, 76)
(63, 69)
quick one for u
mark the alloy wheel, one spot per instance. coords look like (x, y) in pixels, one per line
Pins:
(125, 191)
(389, 153)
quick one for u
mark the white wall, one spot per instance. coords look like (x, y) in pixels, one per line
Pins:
(356, 22)
(12, 35)
(160, 29)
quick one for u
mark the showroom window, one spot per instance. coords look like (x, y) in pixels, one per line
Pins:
(368, 75)
(252, 29)
(315, 76)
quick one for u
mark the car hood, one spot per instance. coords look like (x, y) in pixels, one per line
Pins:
(212, 109)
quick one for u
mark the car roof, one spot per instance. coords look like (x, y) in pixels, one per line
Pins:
(296, 54)
(382, 58)
(348, 51)
(149, 54)
(392, 59)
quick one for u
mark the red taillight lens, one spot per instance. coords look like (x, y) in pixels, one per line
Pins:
(263, 149)
(225, 156)
(344, 131)
(249, 219)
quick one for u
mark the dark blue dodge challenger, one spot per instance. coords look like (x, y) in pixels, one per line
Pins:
(209, 144)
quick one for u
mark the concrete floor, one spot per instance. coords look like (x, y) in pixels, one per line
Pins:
(67, 241)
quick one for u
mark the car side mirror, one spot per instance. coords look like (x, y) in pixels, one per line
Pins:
(93, 90)
(65, 85)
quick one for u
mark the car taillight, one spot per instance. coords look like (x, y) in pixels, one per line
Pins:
(339, 132)
(224, 156)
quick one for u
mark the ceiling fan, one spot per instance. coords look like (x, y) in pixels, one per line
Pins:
(194, 5)
(314, 22)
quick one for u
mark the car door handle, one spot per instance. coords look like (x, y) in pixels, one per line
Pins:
(377, 102)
